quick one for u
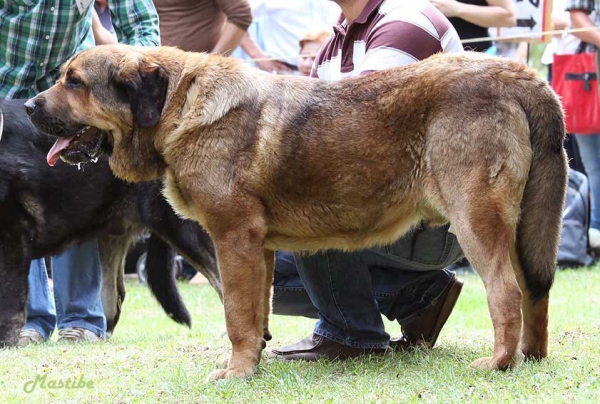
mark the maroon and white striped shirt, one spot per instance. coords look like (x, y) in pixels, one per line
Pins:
(386, 34)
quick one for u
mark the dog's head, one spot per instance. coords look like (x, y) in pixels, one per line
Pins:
(102, 96)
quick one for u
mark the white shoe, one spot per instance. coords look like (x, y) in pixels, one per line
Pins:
(76, 334)
(29, 336)
(594, 236)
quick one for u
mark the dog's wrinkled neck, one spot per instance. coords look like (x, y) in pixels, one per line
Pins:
(135, 158)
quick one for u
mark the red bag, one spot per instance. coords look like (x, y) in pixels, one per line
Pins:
(575, 79)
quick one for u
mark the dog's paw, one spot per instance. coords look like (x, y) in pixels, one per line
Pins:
(223, 361)
(231, 373)
(533, 352)
(533, 355)
(492, 363)
(485, 364)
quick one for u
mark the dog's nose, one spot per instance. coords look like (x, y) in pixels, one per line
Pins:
(30, 106)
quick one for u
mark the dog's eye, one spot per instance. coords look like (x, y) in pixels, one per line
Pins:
(74, 81)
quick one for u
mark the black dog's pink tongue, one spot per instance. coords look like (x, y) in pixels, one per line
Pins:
(59, 146)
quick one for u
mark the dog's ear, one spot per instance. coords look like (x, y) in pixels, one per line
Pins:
(145, 84)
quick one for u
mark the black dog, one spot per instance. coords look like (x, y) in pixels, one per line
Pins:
(44, 210)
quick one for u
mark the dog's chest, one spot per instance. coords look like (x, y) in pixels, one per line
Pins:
(180, 200)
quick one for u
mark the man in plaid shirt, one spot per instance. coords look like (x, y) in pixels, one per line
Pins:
(36, 38)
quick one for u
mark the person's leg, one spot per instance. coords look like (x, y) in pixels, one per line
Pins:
(414, 266)
(289, 294)
(41, 315)
(400, 294)
(589, 149)
(426, 295)
(77, 279)
(339, 285)
(420, 298)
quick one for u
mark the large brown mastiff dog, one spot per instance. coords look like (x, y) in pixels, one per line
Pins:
(267, 162)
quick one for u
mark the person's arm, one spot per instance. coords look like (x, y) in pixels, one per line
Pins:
(255, 52)
(498, 13)
(581, 19)
(231, 37)
(135, 22)
(102, 36)
(239, 18)
(260, 9)
(559, 23)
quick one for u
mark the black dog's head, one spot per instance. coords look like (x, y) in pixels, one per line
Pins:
(102, 95)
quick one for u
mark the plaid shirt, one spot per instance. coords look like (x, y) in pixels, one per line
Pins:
(589, 6)
(38, 36)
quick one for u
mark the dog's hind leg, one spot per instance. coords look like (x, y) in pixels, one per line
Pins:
(270, 269)
(486, 235)
(534, 335)
(538, 237)
(534, 339)
(538, 231)
(240, 251)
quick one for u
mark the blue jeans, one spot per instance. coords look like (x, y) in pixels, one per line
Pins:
(77, 277)
(348, 292)
(589, 149)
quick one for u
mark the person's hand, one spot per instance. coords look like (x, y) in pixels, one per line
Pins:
(102, 36)
(450, 8)
(258, 56)
(273, 66)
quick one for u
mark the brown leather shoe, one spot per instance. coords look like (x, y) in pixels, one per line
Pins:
(424, 331)
(316, 347)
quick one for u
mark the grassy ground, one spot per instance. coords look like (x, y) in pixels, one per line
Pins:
(150, 359)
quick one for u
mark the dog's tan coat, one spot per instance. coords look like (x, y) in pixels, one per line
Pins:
(267, 162)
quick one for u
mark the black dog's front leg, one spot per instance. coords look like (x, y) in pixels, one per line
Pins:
(113, 250)
(15, 257)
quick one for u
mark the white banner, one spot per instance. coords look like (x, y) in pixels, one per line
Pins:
(533, 16)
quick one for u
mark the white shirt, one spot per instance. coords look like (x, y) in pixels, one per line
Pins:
(399, 33)
(282, 23)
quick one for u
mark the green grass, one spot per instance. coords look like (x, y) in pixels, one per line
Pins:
(150, 359)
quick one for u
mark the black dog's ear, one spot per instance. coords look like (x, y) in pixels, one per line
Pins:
(146, 85)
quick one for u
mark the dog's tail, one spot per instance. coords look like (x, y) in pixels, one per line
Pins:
(538, 231)
(162, 280)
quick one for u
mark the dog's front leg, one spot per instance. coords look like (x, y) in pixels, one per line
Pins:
(113, 250)
(243, 274)
(15, 257)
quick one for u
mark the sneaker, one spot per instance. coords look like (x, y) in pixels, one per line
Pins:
(594, 236)
(29, 336)
(76, 334)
